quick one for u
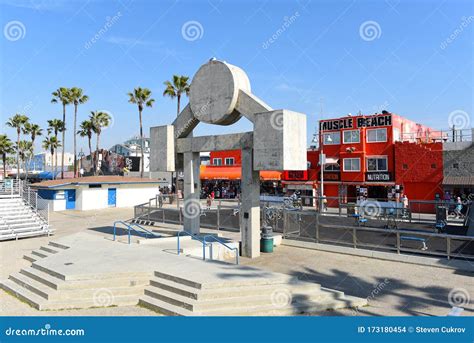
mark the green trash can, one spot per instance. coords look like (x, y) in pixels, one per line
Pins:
(266, 244)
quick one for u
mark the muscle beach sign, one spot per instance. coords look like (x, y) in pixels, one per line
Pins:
(354, 123)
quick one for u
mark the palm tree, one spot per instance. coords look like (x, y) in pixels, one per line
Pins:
(18, 122)
(98, 120)
(51, 143)
(33, 130)
(25, 150)
(77, 98)
(141, 97)
(178, 87)
(55, 126)
(62, 96)
(86, 131)
(6, 147)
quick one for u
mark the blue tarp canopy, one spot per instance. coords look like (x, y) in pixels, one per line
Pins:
(45, 175)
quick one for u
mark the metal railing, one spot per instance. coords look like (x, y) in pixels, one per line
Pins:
(130, 227)
(312, 226)
(236, 250)
(193, 236)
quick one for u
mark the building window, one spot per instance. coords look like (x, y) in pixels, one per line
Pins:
(351, 164)
(433, 166)
(217, 161)
(351, 136)
(331, 167)
(332, 138)
(229, 161)
(405, 166)
(376, 135)
(377, 164)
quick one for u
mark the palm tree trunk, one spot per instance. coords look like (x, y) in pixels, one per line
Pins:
(97, 154)
(64, 143)
(90, 150)
(75, 123)
(18, 155)
(53, 155)
(4, 160)
(141, 143)
(179, 103)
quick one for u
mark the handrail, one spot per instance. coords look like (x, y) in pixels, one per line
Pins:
(130, 227)
(195, 236)
(225, 245)
(142, 228)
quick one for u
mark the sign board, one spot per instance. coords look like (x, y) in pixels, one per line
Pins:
(378, 177)
(354, 123)
(132, 163)
(330, 176)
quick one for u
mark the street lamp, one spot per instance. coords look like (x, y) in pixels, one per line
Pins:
(80, 155)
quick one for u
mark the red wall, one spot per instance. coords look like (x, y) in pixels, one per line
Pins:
(225, 154)
(419, 169)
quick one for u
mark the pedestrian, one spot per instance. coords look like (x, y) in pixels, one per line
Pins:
(458, 209)
(209, 201)
(405, 204)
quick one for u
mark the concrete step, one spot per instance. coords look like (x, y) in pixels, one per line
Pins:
(59, 284)
(30, 257)
(49, 249)
(227, 292)
(40, 253)
(58, 245)
(252, 299)
(41, 303)
(44, 278)
(226, 283)
(166, 308)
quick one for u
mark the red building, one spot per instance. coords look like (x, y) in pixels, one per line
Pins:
(378, 156)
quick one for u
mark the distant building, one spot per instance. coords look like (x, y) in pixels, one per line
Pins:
(131, 150)
(45, 162)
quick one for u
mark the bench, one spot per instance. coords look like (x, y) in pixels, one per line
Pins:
(359, 219)
(415, 239)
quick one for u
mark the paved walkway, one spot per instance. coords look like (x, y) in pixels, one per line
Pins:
(393, 288)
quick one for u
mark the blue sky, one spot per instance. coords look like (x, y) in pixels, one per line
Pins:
(414, 58)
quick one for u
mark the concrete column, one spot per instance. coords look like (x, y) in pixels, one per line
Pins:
(250, 206)
(192, 187)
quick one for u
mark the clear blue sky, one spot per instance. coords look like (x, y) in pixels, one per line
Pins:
(408, 67)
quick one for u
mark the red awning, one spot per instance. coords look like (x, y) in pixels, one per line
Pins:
(234, 173)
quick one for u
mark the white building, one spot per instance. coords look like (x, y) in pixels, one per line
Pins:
(97, 192)
(44, 161)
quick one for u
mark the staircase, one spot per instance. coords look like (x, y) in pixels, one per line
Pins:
(285, 296)
(45, 289)
(19, 213)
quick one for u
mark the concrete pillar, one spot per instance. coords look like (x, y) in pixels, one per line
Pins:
(250, 208)
(192, 187)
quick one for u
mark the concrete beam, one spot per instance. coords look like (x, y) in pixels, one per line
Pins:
(248, 105)
(250, 207)
(185, 123)
(162, 148)
(215, 143)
